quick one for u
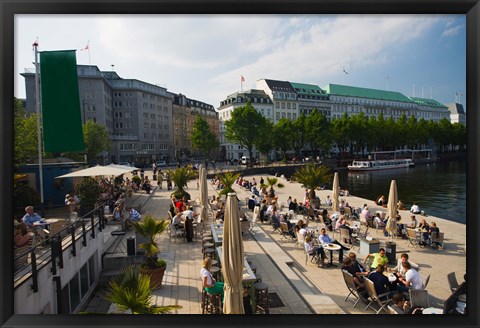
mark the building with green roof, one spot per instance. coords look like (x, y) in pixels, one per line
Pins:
(373, 102)
(310, 97)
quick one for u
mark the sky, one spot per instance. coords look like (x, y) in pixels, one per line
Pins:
(204, 56)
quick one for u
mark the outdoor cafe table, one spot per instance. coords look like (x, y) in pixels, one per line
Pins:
(217, 234)
(249, 278)
(331, 247)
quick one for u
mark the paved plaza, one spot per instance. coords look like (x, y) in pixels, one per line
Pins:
(302, 288)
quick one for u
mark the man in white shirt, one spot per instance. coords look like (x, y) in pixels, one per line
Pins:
(412, 278)
(415, 209)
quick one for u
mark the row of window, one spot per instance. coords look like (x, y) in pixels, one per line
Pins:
(360, 101)
(287, 105)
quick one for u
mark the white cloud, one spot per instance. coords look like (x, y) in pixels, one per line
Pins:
(203, 56)
(452, 31)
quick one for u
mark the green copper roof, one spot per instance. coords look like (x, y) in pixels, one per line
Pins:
(307, 89)
(428, 102)
(344, 90)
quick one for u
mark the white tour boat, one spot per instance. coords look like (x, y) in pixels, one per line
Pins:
(380, 164)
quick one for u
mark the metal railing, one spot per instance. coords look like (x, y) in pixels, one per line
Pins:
(49, 252)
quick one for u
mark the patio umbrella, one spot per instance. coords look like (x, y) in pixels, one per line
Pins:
(391, 226)
(232, 258)
(203, 191)
(130, 168)
(336, 186)
(97, 171)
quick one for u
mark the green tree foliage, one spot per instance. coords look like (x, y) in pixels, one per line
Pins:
(96, 139)
(203, 138)
(283, 133)
(180, 177)
(243, 127)
(264, 142)
(150, 227)
(24, 196)
(312, 177)
(318, 132)
(25, 135)
(300, 136)
(132, 290)
(271, 183)
(228, 179)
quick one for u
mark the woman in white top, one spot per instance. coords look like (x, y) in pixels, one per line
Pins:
(310, 249)
(209, 283)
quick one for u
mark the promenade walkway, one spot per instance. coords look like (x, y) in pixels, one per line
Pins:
(303, 289)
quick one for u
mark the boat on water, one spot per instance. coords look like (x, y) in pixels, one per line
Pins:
(380, 164)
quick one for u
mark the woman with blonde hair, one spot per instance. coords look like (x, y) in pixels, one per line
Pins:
(209, 283)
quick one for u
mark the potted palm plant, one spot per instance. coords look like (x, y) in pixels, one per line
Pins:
(271, 183)
(312, 177)
(227, 180)
(132, 291)
(149, 227)
(88, 190)
(180, 177)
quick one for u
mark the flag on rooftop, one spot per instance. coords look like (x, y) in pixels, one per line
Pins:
(87, 47)
(242, 79)
(61, 116)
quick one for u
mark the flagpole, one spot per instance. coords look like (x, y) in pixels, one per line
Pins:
(39, 135)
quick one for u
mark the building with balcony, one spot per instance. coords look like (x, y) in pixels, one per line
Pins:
(259, 100)
(185, 111)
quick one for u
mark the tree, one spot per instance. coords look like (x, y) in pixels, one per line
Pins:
(340, 133)
(272, 182)
(264, 141)
(283, 133)
(25, 135)
(180, 177)
(227, 180)
(313, 177)
(243, 127)
(132, 290)
(96, 140)
(300, 134)
(318, 131)
(202, 137)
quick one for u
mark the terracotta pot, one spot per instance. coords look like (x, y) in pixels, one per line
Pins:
(156, 276)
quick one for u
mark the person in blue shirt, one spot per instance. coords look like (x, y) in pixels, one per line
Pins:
(134, 215)
(324, 238)
(30, 217)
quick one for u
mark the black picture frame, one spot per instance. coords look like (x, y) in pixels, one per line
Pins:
(9, 8)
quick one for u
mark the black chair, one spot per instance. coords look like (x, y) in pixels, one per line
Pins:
(452, 281)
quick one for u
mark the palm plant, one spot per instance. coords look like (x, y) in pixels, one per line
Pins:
(312, 177)
(180, 177)
(149, 228)
(227, 180)
(272, 182)
(132, 290)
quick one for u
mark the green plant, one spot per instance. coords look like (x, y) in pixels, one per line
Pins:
(137, 180)
(312, 177)
(227, 180)
(272, 182)
(88, 190)
(180, 177)
(132, 290)
(149, 227)
(23, 196)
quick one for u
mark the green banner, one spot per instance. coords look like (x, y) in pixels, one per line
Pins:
(61, 116)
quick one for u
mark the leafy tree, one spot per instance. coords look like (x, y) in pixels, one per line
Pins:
(264, 141)
(300, 136)
(25, 135)
(283, 133)
(340, 133)
(202, 137)
(318, 131)
(243, 127)
(96, 139)
(312, 177)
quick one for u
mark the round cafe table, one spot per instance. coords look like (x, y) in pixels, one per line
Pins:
(432, 310)
(331, 248)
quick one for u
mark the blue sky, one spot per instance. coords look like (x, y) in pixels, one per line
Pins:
(203, 56)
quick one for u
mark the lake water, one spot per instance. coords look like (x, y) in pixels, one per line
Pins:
(439, 189)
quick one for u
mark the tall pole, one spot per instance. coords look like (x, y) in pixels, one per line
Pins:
(39, 132)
